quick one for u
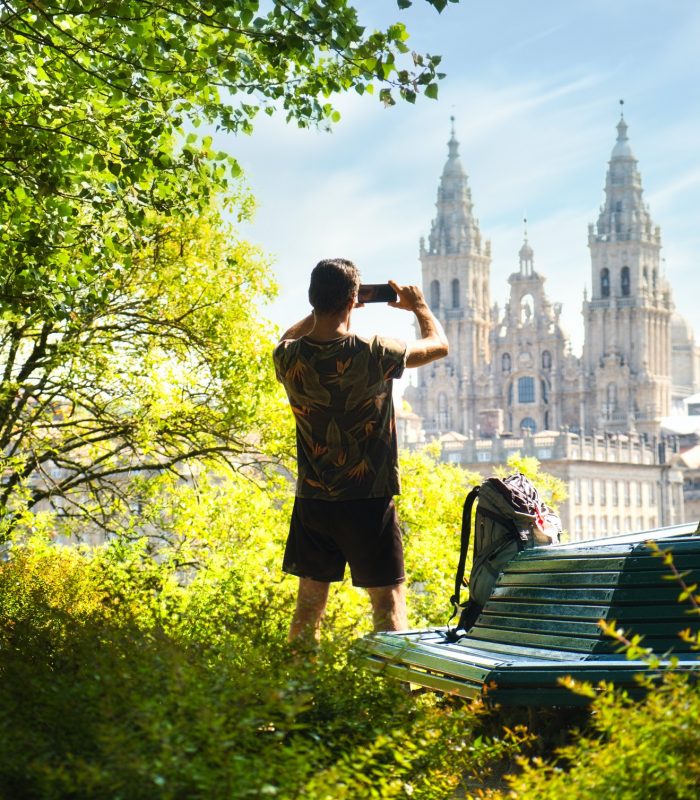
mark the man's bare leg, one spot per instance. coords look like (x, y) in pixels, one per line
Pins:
(312, 597)
(389, 607)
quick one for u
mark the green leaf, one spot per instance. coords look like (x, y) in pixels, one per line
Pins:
(431, 91)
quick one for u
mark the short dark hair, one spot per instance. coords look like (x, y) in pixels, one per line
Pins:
(334, 282)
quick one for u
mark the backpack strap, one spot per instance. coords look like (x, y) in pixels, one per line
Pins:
(464, 547)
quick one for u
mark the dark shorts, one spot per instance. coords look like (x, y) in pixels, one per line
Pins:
(324, 536)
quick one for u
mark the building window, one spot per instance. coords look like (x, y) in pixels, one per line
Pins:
(628, 495)
(616, 525)
(652, 494)
(615, 494)
(435, 295)
(545, 393)
(591, 492)
(611, 398)
(638, 487)
(510, 397)
(603, 493)
(605, 282)
(528, 424)
(578, 527)
(625, 281)
(628, 524)
(526, 390)
(546, 360)
(577, 491)
(443, 412)
(505, 363)
(455, 294)
(591, 527)
(603, 526)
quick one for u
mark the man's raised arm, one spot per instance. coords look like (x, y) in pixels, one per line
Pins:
(433, 343)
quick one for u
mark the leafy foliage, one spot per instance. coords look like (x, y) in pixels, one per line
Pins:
(126, 304)
(129, 676)
(150, 379)
(634, 750)
(430, 510)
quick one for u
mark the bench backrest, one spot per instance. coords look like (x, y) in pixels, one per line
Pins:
(553, 597)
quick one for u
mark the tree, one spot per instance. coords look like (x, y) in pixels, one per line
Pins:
(126, 316)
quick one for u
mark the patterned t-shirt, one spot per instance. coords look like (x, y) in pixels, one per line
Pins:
(340, 393)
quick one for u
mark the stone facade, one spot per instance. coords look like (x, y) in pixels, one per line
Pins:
(639, 356)
(512, 373)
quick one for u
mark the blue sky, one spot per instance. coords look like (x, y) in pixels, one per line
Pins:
(534, 88)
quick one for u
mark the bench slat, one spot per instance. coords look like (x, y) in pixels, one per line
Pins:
(602, 564)
(641, 595)
(640, 578)
(575, 628)
(670, 611)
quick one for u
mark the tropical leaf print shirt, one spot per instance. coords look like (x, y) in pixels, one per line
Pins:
(340, 394)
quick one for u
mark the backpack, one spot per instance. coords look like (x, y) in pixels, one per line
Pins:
(510, 516)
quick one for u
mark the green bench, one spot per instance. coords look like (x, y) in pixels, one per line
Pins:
(541, 623)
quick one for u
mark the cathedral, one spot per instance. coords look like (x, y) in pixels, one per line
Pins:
(511, 371)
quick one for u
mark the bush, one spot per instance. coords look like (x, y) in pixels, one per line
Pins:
(128, 673)
(632, 751)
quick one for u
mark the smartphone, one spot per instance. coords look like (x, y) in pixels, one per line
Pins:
(376, 293)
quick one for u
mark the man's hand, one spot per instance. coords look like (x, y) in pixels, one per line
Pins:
(410, 297)
(433, 342)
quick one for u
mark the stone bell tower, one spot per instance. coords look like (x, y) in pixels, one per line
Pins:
(455, 269)
(627, 350)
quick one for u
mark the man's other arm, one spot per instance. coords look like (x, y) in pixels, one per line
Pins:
(299, 329)
(433, 343)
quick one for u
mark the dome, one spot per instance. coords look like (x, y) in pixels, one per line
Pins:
(681, 330)
(622, 147)
(526, 252)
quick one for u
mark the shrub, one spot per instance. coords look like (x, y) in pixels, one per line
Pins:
(129, 675)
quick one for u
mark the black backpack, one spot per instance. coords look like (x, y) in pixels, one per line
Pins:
(510, 516)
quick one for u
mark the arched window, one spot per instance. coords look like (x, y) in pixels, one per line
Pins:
(528, 424)
(435, 295)
(526, 390)
(505, 362)
(443, 413)
(546, 360)
(611, 398)
(455, 294)
(605, 282)
(625, 281)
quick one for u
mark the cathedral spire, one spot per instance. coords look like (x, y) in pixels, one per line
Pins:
(454, 229)
(624, 215)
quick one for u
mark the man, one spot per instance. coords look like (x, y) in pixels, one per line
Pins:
(339, 387)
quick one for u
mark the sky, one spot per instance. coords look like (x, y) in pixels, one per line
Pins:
(534, 88)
